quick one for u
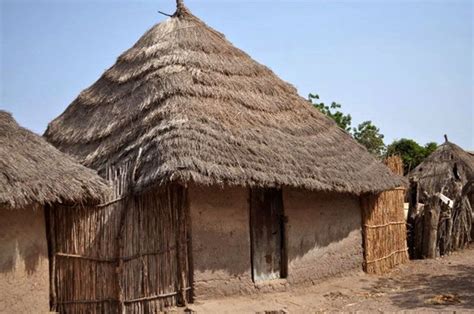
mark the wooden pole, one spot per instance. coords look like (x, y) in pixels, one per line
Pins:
(189, 245)
(411, 219)
(50, 234)
(430, 232)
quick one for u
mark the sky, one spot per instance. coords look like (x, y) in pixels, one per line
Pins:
(406, 65)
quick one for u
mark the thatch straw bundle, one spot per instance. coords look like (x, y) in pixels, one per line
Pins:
(201, 110)
(447, 163)
(32, 172)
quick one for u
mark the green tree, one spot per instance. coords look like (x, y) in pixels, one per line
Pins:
(411, 152)
(366, 133)
(430, 147)
(369, 135)
(343, 121)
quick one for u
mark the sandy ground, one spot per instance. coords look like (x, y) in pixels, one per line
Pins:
(414, 287)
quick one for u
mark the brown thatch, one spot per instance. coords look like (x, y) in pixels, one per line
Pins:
(437, 228)
(33, 172)
(199, 109)
(447, 163)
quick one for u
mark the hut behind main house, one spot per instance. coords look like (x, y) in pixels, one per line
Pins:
(33, 176)
(441, 195)
(447, 163)
(226, 180)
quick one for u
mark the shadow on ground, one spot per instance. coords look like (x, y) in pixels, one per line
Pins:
(414, 291)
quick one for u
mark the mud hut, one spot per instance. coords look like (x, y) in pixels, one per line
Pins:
(33, 175)
(227, 181)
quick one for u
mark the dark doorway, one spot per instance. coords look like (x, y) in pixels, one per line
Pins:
(267, 230)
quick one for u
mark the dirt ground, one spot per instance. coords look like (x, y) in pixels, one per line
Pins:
(444, 285)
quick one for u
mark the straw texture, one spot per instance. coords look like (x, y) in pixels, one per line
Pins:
(130, 256)
(384, 226)
(448, 162)
(33, 172)
(201, 110)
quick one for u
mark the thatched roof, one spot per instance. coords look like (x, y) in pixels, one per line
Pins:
(202, 110)
(448, 162)
(33, 172)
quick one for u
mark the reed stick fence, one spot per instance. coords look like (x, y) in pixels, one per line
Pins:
(384, 226)
(130, 255)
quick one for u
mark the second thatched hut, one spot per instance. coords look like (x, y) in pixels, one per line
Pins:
(226, 180)
(441, 199)
(34, 178)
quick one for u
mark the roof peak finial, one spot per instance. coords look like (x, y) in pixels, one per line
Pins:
(180, 8)
(446, 138)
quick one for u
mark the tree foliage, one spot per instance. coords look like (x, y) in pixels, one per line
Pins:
(369, 135)
(343, 121)
(411, 152)
(366, 133)
(430, 147)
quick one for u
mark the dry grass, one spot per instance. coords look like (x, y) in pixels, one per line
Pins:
(447, 163)
(202, 110)
(33, 172)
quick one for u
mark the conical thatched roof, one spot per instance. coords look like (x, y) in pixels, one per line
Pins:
(202, 110)
(448, 162)
(33, 172)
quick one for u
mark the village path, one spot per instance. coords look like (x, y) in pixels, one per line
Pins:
(414, 287)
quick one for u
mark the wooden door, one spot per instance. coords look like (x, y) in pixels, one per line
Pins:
(267, 234)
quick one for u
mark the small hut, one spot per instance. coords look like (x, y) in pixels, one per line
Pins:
(33, 175)
(448, 163)
(440, 196)
(226, 180)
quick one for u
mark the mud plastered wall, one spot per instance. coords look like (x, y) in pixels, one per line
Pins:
(24, 270)
(324, 235)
